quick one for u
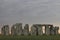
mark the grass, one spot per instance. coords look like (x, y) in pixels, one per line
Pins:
(43, 37)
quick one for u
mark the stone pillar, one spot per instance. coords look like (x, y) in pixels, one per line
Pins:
(52, 30)
(47, 30)
(5, 30)
(26, 29)
(16, 29)
(19, 28)
(56, 30)
(34, 30)
(13, 30)
(40, 31)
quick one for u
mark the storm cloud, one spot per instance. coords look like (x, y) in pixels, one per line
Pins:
(29, 11)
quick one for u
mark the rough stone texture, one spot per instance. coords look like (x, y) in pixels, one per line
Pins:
(56, 30)
(16, 29)
(51, 30)
(5, 30)
(26, 29)
(13, 30)
(47, 30)
(40, 32)
(36, 29)
(39, 29)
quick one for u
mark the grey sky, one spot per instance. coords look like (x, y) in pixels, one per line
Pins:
(30, 11)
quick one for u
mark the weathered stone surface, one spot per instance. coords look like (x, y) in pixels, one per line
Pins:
(56, 30)
(5, 30)
(26, 29)
(16, 29)
(13, 30)
(47, 30)
(36, 29)
(51, 30)
(40, 32)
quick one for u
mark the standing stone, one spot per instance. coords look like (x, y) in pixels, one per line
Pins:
(47, 30)
(56, 30)
(34, 30)
(13, 30)
(37, 29)
(5, 30)
(26, 29)
(51, 30)
(40, 32)
(19, 28)
(16, 29)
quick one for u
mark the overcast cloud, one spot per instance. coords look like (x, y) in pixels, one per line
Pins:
(29, 11)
